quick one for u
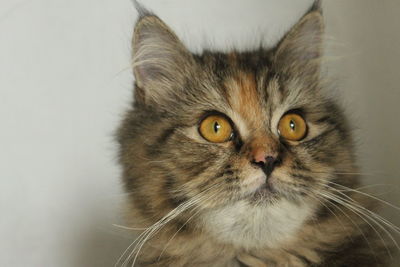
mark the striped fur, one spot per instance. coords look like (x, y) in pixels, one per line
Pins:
(202, 197)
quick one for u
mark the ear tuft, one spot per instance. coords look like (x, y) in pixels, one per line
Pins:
(316, 6)
(300, 50)
(142, 11)
(160, 61)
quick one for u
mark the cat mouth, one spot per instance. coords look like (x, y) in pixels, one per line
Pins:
(265, 191)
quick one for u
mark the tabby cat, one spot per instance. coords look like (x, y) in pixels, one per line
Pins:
(240, 158)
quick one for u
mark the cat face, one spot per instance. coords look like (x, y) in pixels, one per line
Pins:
(217, 129)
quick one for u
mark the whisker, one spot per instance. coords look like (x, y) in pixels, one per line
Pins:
(145, 235)
(373, 185)
(365, 194)
(352, 205)
(156, 227)
(311, 194)
(161, 224)
(212, 196)
(349, 173)
(180, 228)
(138, 239)
(165, 247)
(359, 214)
(376, 216)
(129, 228)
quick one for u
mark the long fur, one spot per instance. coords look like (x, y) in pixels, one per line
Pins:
(198, 201)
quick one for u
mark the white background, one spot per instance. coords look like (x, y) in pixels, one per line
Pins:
(65, 81)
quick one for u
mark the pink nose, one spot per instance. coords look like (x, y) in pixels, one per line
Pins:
(259, 155)
(263, 157)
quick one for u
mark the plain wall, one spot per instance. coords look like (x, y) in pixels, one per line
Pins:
(65, 81)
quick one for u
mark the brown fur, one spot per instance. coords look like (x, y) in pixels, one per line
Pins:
(201, 194)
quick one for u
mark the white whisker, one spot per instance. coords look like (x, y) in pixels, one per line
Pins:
(311, 194)
(361, 212)
(360, 215)
(149, 232)
(170, 216)
(165, 247)
(365, 194)
(129, 228)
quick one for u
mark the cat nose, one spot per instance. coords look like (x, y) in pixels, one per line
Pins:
(259, 156)
(266, 161)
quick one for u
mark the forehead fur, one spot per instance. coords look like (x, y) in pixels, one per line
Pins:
(244, 101)
(243, 96)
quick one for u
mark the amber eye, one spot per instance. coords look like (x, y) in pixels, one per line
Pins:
(292, 127)
(216, 129)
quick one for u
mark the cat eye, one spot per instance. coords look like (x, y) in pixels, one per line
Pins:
(292, 127)
(216, 129)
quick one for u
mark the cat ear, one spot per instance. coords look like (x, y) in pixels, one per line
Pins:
(160, 61)
(299, 51)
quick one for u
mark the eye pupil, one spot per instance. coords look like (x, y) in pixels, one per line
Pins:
(292, 125)
(216, 127)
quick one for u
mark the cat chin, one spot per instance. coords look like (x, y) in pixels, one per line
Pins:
(264, 194)
(248, 226)
(261, 190)
(256, 184)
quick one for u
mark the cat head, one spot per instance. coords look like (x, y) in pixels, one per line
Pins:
(218, 128)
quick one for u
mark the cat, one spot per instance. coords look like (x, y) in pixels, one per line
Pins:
(240, 158)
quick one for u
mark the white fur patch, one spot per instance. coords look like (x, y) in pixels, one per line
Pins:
(247, 226)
